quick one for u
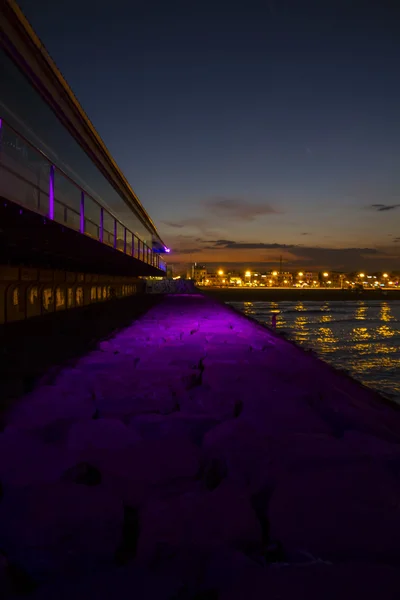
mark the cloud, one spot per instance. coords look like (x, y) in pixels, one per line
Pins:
(197, 222)
(238, 209)
(189, 250)
(383, 207)
(229, 244)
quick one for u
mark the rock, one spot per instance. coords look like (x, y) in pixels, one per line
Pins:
(153, 398)
(83, 474)
(192, 426)
(25, 459)
(236, 449)
(281, 408)
(351, 512)
(224, 566)
(48, 404)
(110, 433)
(61, 529)
(349, 581)
(123, 584)
(134, 471)
(193, 524)
(300, 451)
(14, 581)
(371, 446)
(219, 405)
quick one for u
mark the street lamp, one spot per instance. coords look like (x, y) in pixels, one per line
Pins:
(220, 272)
(275, 273)
(326, 274)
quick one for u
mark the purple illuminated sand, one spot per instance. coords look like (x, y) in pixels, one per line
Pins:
(197, 453)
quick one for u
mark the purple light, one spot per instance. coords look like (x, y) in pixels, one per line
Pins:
(51, 193)
(167, 250)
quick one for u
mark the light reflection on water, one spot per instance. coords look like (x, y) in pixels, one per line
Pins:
(361, 337)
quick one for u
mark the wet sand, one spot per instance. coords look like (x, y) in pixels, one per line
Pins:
(197, 455)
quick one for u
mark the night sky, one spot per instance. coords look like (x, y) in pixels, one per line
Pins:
(249, 130)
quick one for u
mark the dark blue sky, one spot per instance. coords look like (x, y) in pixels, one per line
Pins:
(258, 123)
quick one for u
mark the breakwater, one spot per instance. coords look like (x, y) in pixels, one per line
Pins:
(197, 455)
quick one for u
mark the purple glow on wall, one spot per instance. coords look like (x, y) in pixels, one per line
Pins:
(82, 215)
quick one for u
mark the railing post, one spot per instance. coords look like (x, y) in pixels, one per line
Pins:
(51, 193)
(101, 232)
(124, 240)
(82, 214)
(115, 233)
(138, 249)
(133, 244)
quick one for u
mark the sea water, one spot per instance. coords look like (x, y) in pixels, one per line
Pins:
(361, 337)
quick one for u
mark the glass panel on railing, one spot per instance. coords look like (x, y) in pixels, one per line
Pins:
(136, 247)
(120, 236)
(108, 229)
(67, 201)
(128, 248)
(24, 173)
(92, 218)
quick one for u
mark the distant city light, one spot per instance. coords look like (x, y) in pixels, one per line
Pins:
(361, 275)
(385, 275)
(248, 274)
(326, 274)
(220, 272)
(301, 274)
(275, 273)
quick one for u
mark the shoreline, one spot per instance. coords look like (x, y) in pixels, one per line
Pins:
(296, 294)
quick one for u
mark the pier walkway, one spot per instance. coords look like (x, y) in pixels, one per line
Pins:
(197, 455)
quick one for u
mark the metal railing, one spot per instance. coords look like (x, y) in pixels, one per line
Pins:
(29, 178)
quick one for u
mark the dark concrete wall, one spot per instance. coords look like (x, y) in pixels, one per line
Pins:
(28, 292)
